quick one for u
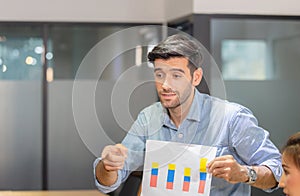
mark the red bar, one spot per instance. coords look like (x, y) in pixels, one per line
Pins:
(201, 186)
(153, 181)
(169, 185)
(186, 186)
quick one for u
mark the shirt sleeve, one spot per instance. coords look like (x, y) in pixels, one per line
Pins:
(102, 188)
(252, 143)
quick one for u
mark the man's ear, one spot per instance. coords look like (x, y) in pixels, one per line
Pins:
(197, 76)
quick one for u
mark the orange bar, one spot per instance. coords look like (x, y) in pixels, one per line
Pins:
(169, 185)
(186, 186)
(153, 181)
(201, 186)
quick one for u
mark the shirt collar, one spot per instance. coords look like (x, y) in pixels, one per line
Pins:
(196, 107)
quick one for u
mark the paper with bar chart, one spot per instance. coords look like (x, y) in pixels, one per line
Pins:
(176, 169)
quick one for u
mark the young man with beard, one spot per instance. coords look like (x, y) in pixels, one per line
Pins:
(245, 154)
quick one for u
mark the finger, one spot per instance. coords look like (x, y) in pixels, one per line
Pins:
(221, 171)
(221, 158)
(122, 149)
(216, 165)
(110, 168)
(220, 162)
(116, 150)
(112, 163)
(107, 150)
(114, 157)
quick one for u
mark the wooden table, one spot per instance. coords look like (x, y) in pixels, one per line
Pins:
(53, 193)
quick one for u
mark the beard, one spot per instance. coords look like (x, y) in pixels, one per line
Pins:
(176, 100)
(170, 103)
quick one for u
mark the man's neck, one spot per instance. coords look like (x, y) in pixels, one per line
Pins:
(178, 114)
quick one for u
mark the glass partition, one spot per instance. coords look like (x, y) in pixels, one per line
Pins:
(21, 106)
(25, 99)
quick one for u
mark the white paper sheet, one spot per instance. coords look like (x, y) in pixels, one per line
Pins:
(175, 169)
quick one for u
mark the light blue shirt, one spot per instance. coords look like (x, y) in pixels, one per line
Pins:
(228, 126)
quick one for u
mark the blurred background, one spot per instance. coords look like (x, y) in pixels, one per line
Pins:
(42, 44)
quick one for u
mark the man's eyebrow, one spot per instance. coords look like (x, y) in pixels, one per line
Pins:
(173, 69)
(176, 69)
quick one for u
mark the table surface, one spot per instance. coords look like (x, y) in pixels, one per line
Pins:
(53, 193)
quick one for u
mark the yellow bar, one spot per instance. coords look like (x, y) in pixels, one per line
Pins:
(187, 171)
(155, 165)
(172, 166)
(203, 162)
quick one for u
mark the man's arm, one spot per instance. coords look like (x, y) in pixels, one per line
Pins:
(265, 178)
(105, 177)
(229, 169)
(113, 159)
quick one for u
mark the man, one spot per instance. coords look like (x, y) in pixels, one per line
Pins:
(245, 155)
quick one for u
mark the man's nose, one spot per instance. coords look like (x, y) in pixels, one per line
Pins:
(166, 83)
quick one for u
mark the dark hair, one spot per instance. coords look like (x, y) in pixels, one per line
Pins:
(292, 149)
(178, 45)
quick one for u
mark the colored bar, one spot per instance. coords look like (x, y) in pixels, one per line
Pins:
(203, 176)
(186, 179)
(171, 166)
(187, 171)
(169, 185)
(155, 165)
(201, 186)
(154, 171)
(171, 175)
(154, 174)
(203, 162)
(186, 186)
(153, 181)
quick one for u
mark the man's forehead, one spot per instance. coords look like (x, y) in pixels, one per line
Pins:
(181, 62)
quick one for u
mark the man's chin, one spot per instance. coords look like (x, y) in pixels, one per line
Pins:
(169, 105)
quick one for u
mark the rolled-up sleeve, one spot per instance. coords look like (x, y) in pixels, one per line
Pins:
(252, 143)
(102, 188)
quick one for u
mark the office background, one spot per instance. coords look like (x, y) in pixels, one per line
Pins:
(254, 43)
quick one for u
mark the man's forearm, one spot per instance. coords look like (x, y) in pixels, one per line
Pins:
(265, 178)
(104, 177)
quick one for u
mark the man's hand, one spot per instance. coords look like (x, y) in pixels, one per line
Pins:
(228, 168)
(113, 157)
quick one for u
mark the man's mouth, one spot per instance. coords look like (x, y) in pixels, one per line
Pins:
(168, 95)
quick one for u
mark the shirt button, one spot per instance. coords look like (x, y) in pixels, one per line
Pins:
(180, 135)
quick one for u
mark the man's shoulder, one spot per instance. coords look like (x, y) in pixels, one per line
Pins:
(153, 108)
(228, 106)
(151, 115)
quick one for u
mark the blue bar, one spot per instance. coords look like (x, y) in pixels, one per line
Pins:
(154, 171)
(202, 176)
(187, 178)
(171, 174)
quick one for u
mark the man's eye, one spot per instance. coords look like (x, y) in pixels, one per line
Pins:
(177, 76)
(159, 75)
